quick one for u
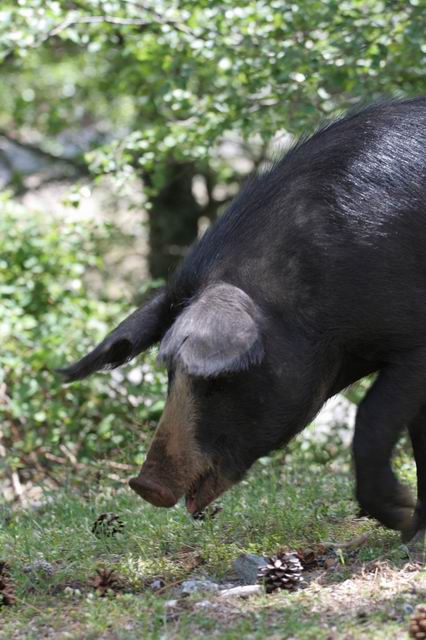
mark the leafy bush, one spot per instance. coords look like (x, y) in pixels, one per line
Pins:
(49, 315)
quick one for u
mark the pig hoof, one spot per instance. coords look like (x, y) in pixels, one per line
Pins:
(417, 547)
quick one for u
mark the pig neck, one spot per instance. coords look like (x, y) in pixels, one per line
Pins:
(307, 370)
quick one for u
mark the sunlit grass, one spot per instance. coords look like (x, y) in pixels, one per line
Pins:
(283, 503)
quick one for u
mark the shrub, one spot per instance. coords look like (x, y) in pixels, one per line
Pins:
(50, 315)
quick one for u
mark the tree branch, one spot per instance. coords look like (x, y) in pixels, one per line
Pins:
(116, 20)
(76, 162)
(159, 18)
(69, 22)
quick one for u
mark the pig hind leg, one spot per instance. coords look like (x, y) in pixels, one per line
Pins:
(393, 401)
(416, 534)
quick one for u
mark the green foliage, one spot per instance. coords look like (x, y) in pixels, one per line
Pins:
(356, 392)
(176, 78)
(49, 316)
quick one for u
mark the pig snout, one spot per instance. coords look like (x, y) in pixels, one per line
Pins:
(173, 460)
(153, 490)
(158, 481)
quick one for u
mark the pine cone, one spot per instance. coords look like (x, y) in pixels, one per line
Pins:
(417, 628)
(107, 524)
(7, 587)
(105, 581)
(282, 571)
(40, 566)
(207, 514)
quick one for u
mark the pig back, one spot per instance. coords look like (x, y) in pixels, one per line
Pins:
(334, 235)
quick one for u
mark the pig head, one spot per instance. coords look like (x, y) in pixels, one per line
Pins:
(216, 335)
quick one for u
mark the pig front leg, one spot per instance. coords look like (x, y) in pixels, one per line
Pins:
(393, 401)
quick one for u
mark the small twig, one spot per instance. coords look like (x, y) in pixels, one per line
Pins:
(80, 465)
(17, 486)
(170, 585)
(52, 457)
(59, 460)
(115, 478)
(71, 457)
(318, 579)
(118, 465)
(33, 459)
(359, 541)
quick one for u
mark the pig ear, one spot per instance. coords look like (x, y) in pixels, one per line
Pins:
(143, 328)
(218, 333)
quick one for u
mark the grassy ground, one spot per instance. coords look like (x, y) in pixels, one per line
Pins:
(291, 504)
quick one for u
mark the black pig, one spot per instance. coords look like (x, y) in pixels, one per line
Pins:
(313, 278)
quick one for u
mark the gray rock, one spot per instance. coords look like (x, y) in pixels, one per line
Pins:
(157, 584)
(171, 603)
(242, 592)
(246, 567)
(204, 604)
(195, 585)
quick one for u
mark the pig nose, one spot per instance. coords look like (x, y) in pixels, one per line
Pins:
(152, 491)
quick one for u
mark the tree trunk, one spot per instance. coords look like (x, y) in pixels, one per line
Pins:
(172, 219)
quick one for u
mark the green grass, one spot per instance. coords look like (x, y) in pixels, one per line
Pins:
(283, 503)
